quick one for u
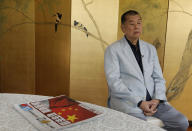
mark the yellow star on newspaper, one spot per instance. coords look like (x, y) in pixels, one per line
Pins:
(63, 110)
(59, 113)
(71, 118)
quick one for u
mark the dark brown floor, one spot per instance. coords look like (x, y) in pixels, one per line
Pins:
(190, 129)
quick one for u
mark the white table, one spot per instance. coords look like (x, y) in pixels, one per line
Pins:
(113, 120)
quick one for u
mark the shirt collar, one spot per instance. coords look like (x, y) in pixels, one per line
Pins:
(131, 44)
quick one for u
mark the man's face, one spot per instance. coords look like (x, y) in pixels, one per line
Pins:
(132, 28)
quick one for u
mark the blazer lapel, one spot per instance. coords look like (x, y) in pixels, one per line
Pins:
(131, 57)
(143, 55)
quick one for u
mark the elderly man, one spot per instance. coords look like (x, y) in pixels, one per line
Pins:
(134, 76)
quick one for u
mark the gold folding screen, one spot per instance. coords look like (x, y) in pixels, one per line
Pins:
(94, 26)
(33, 57)
(178, 56)
(52, 46)
(17, 49)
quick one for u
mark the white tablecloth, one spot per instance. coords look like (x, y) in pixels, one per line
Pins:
(11, 120)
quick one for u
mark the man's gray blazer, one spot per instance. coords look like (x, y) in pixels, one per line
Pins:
(127, 85)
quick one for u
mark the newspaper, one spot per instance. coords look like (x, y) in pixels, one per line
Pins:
(56, 113)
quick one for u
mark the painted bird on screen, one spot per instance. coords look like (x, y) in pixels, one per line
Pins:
(81, 27)
(58, 20)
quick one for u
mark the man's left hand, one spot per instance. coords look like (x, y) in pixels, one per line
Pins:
(155, 103)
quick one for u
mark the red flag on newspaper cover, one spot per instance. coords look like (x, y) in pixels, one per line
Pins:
(61, 101)
(70, 109)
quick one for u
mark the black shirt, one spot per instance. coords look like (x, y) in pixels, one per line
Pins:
(138, 56)
(137, 53)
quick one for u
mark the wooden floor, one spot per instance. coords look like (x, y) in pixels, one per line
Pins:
(190, 129)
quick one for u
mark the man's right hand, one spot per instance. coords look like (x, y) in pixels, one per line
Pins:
(146, 107)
